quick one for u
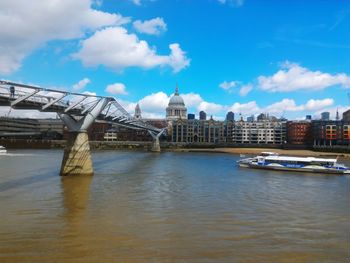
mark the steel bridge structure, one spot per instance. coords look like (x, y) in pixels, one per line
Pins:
(78, 111)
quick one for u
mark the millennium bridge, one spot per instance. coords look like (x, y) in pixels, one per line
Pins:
(78, 112)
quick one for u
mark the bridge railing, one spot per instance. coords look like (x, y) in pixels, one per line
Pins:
(19, 95)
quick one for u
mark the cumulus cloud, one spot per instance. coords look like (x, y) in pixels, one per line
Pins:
(313, 105)
(248, 108)
(116, 89)
(210, 107)
(114, 48)
(283, 105)
(154, 26)
(227, 85)
(25, 27)
(155, 102)
(332, 111)
(192, 99)
(136, 2)
(232, 2)
(293, 77)
(81, 84)
(245, 89)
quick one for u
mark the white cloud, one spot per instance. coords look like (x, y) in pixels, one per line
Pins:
(155, 102)
(293, 77)
(245, 90)
(26, 27)
(245, 108)
(154, 26)
(227, 85)
(127, 105)
(232, 2)
(332, 111)
(210, 107)
(114, 48)
(313, 105)
(90, 93)
(116, 89)
(191, 99)
(290, 105)
(81, 84)
(283, 105)
(136, 2)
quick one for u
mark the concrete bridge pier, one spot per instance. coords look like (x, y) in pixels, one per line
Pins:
(156, 145)
(77, 157)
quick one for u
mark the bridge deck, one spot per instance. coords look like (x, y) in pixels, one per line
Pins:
(25, 97)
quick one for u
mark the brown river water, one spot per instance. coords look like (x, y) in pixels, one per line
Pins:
(168, 207)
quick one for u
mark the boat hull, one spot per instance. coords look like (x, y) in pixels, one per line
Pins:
(291, 169)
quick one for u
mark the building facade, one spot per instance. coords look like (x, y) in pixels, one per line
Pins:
(259, 132)
(346, 116)
(299, 132)
(330, 133)
(230, 116)
(201, 131)
(202, 115)
(325, 116)
(25, 128)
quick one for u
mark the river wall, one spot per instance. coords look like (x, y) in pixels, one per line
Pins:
(146, 145)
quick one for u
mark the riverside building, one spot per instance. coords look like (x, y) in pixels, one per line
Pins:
(330, 133)
(201, 131)
(259, 132)
(299, 132)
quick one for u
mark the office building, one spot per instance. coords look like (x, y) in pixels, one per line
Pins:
(230, 116)
(191, 116)
(202, 115)
(325, 116)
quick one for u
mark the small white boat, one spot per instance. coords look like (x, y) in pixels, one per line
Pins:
(273, 161)
(3, 150)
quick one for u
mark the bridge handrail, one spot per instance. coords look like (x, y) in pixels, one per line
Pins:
(118, 114)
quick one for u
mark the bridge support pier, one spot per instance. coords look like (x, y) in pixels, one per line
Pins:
(77, 157)
(156, 145)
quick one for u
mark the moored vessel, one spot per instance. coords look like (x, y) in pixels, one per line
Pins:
(274, 161)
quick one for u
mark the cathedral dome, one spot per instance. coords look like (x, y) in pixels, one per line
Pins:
(176, 108)
(177, 100)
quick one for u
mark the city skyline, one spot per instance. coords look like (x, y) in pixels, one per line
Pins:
(241, 56)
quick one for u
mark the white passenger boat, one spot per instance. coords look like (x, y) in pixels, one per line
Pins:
(273, 161)
(3, 150)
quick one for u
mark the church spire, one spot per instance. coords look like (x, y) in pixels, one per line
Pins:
(137, 112)
(177, 90)
(337, 116)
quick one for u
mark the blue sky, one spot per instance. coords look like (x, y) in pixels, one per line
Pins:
(287, 58)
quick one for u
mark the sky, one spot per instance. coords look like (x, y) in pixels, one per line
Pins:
(286, 58)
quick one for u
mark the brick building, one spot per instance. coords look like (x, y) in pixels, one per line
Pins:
(299, 132)
(329, 133)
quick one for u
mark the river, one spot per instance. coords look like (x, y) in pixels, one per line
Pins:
(168, 207)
